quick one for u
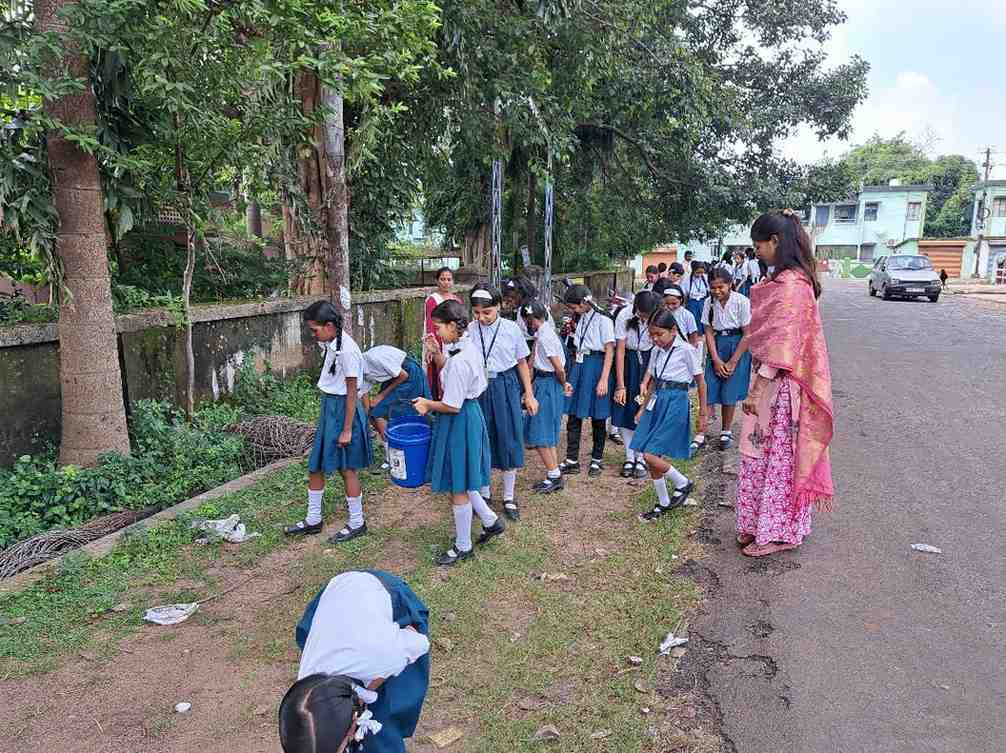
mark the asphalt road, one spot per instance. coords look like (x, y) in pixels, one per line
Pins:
(855, 643)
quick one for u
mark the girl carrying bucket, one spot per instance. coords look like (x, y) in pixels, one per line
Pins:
(401, 380)
(341, 441)
(459, 456)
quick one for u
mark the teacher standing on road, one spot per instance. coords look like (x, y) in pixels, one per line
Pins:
(788, 419)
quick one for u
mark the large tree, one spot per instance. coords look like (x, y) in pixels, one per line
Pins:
(93, 412)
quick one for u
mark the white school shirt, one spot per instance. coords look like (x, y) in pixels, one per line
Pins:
(635, 339)
(349, 364)
(679, 364)
(354, 633)
(698, 288)
(594, 330)
(736, 314)
(500, 345)
(754, 270)
(382, 363)
(547, 344)
(685, 320)
(464, 375)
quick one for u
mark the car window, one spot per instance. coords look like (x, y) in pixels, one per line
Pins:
(911, 263)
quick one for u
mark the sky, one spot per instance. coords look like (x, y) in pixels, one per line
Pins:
(937, 70)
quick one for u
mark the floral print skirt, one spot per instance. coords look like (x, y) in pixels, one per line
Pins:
(765, 485)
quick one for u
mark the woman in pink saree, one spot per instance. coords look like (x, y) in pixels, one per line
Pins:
(445, 281)
(788, 419)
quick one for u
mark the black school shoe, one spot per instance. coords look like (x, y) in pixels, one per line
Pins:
(569, 467)
(453, 556)
(488, 534)
(510, 509)
(348, 534)
(596, 468)
(303, 528)
(549, 486)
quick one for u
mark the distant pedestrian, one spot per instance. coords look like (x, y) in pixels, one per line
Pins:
(943, 278)
(652, 275)
(662, 270)
(788, 419)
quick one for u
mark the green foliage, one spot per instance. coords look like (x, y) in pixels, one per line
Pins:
(265, 394)
(171, 461)
(16, 310)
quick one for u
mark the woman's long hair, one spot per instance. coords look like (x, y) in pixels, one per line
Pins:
(793, 250)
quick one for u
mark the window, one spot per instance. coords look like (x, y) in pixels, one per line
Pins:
(999, 207)
(821, 215)
(870, 213)
(866, 251)
(914, 210)
(845, 213)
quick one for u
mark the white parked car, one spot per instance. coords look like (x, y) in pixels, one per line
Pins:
(904, 276)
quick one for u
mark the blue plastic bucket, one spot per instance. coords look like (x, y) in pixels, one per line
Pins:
(415, 418)
(409, 447)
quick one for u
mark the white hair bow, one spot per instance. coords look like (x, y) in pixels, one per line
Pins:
(366, 724)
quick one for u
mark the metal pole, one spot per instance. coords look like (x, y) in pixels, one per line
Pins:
(980, 212)
(496, 211)
(546, 279)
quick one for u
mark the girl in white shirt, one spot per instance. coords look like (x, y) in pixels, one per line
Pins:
(364, 667)
(459, 455)
(591, 378)
(632, 355)
(341, 439)
(550, 388)
(728, 371)
(665, 424)
(697, 291)
(688, 328)
(504, 354)
(400, 380)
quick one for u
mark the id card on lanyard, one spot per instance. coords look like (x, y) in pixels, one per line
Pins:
(586, 330)
(663, 370)
(487, 353)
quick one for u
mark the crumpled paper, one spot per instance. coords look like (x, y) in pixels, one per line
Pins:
(671, 642)
(170, 614)
(230, 529)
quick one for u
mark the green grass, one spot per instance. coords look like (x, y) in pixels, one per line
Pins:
(512, 637)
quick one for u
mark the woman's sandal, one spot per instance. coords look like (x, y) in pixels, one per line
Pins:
(743, 539)
(754, 550)
(696, 446)
(628, 468)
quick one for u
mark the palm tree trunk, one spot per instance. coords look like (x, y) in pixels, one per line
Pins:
(93, 411)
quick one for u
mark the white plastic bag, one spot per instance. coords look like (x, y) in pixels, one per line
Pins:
(230, 529)
(170, 614)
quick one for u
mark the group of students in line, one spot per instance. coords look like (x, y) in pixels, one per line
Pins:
(503, 385)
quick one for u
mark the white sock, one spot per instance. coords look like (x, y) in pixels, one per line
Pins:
(314, 497)
(553, 474)
(630, 455)
(662, 496)
(463, 527)
(486, 492)
(509, 482)
(485, 513)
(680, 480)
(355, 505)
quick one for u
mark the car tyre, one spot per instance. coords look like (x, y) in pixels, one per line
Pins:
(934, 298)
(885, 294)
(872, 291)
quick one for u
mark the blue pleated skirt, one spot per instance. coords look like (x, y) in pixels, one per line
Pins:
(459, 458)
(728, 391)
(695, 306)
(584, 402)
(326, 455)
(624, 416)
(400, 698)
(504, 416)
(400, 399)
(745, 288)
(667, 429)
(542, 429)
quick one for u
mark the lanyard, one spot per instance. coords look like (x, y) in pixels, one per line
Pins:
(705, 290)
(487, 353)
(667, 360)
(586, 329)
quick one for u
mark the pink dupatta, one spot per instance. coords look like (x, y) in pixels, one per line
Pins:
(786, 333)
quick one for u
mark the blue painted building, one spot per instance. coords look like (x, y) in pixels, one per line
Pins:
(989, 219)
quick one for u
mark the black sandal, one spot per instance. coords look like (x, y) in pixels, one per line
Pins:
(596, 469)
(628, 469)
(569, 467)
(656, 512)
(641, 471)
(726, 441)
(488, 534)
(453, 556)
(303, 528)
(348, 534)
(510, 509)
(678, 496)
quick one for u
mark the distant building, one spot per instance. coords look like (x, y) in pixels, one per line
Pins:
(991, 215)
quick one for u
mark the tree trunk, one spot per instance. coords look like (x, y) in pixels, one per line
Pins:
(475, 249)
(304, 211)
(93, 411)
(337, 202)
(253, 217)
(532, 215)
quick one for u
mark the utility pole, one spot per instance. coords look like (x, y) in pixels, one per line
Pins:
(981, 210)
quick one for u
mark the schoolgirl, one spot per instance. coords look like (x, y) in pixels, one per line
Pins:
(591, 378)
(632, 355)
(753, 273)
(664, 416)
(400, 379)
(675, 274)
(740, 270)
(541, 431)
(697, 292)
(364, 667)
(673, 301)
(459, 456)
(504, 354)
(341, 440)
(728, 371)
(517, 293)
